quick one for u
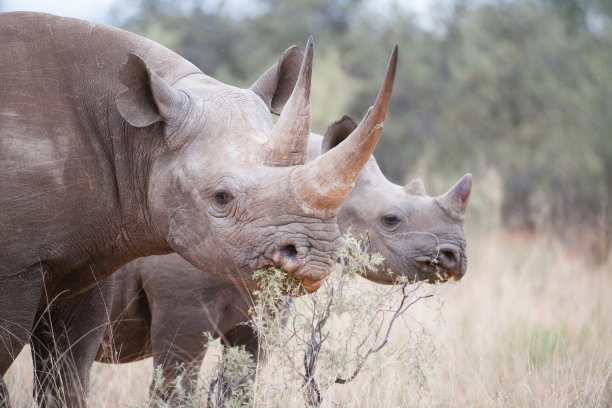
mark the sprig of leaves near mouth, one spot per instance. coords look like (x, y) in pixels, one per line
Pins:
(277, 283)
(441, 273)
(335, 330)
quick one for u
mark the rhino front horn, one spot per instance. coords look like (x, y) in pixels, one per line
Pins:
(456, 199)
(324, 184)
(288, 143)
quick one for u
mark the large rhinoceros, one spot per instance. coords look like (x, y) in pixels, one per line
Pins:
(155, 314)
(112, 147)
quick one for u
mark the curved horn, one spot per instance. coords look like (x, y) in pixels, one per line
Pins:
(324, 184)
(456, 199)
(288, 143)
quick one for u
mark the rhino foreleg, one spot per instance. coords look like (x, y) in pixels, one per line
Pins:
(178, 373)
(64, 343)
(178, 348)
(245, 335)
(17, 315)
(4, 395)
(242, 335)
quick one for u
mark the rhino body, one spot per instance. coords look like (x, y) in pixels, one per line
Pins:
(156, 314)
(113, 147)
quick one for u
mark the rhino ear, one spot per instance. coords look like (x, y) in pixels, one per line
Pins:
(149, 98)
(337, 132)
(416, 188)
(274, 87)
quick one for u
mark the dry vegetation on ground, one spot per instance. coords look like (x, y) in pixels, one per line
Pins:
(529, 325)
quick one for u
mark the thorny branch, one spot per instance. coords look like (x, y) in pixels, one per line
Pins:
(398, 312)
(309, 317)
(317, 337)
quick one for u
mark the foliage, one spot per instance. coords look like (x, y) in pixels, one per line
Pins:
(232, 386)
(179, 395)
(314, 346)
(311, 336)
(277, 283)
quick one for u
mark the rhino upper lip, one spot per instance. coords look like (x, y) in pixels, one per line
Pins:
(311, 286)
(436, 267)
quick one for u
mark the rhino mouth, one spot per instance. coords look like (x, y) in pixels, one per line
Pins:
(435, 270)
(278, 279)
(296, 261)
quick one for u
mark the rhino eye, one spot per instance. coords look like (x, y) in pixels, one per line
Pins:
(223, 197)
(390, 220)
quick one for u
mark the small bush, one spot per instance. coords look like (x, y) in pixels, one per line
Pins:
(314, 341)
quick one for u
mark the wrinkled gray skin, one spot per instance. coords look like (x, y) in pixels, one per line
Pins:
(154, 313)
(103, 161)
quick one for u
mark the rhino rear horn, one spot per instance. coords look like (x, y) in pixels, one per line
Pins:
(149, 98)
(274, 87)
(456, 199)
(288, 143)
(324, 183)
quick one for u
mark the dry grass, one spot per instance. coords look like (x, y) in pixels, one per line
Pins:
(528, 326)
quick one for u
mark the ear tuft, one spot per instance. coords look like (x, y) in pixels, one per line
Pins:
(337, 132)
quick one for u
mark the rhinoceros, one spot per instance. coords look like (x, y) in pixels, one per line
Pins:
(113, 147)
(155, 314)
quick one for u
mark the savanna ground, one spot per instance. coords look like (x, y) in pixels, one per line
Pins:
(528, 326)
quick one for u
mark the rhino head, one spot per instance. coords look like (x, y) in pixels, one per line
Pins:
(231, 191)
(420, 237)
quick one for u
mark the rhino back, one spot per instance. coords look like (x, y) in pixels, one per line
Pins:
(61, 137)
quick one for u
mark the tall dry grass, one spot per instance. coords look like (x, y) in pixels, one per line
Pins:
(530, 325)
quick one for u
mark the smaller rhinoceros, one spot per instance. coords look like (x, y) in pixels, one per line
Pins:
(155, 313)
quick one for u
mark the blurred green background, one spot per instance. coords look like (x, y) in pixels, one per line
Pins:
(519, 93)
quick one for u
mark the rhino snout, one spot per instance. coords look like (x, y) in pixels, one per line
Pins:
(449, 258)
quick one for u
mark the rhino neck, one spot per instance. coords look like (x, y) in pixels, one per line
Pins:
(131, 152)
(134, 153)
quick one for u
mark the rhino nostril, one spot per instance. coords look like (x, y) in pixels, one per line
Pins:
(289, 251)
(448, 258)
